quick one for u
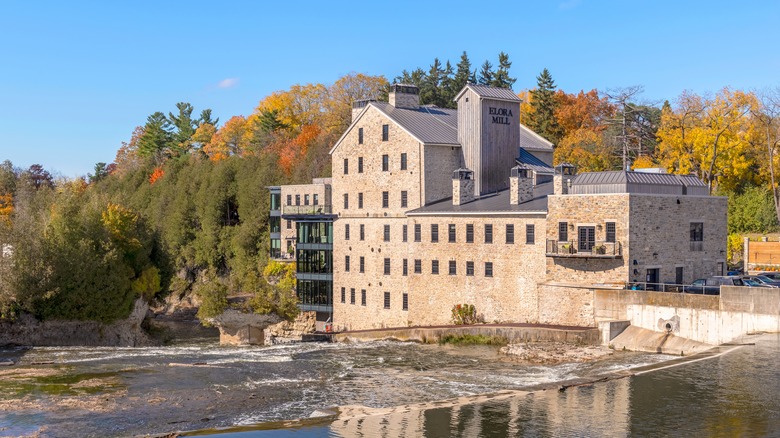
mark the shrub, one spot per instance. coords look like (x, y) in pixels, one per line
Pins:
(464, 314)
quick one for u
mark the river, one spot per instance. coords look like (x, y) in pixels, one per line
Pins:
(411, 390)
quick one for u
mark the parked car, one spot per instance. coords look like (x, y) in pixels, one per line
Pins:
(775, 276)
(711, 285)
(754, 283)
(763, 280)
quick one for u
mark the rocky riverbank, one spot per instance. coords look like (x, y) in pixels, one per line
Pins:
(551, 353)
(27, 330)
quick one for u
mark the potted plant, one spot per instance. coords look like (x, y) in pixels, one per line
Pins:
(601, 249)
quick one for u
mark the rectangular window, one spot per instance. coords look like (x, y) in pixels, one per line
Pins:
(360, 135)
(387, 233)
(346, 166)
(360, 164)
(453, 267)
(469, 233)
(297, 199)
(385, 132)
(405, 232)
(387, 300)
(610, 227)
(362, 264)
(488, 269)
(403, 161)
(385, 199)
(346, 231)
(563, 231)
(289, 199)
(346, 201)
(452, 237)
(434, 266)
(470, 269)
(343, 295)
(404, 199)
(387, 266)
(405, 302)
(289, 224)
(678, 275)
(510, 233)
(352, 295)
(488, 233)
(417, 266)
(362, 297)
(434, 233)
(697, 236)
(417, 232)
(316, 199)
(385, 163)
(360, 200)
(362, 232)
(405, 268)
(529, 234)
(346, 263)
(305, 199)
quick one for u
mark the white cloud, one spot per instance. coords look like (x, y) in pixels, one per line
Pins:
(227, 83)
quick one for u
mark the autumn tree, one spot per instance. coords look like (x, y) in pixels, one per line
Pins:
(765, 137)
(232, 139)
(708, 137)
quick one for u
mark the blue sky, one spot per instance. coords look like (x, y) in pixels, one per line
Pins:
(77, 77)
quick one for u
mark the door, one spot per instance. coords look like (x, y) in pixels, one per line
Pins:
(586, 238)
(652, 279)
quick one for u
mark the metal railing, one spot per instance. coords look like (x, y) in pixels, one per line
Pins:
(307, 209)
(673, 287)
(574, 248)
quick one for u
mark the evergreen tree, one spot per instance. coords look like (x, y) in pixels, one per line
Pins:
(184, 127)
(463, 73)
(205, 117)
(542, 119)
(156, 140)
(486, 74)
(448, 90)
(501, 78)
(431, 91)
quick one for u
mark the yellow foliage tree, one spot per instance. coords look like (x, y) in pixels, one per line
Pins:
(585, 148)
(232, 139)
(708, 137)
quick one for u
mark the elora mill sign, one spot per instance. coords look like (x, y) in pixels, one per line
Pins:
(500, 116)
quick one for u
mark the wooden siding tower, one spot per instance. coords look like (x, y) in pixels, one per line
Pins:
(489, 133)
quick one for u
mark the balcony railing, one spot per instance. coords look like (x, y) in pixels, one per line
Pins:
(302, 210)
(589, 249)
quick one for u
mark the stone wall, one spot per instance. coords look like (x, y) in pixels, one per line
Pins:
(291, 331)
(566, 306)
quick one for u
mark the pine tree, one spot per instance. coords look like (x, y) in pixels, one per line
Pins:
(431, 91)
(155, 142)
(463, 73)
(486, 74)
(448, 89)
(205, 117)
(542, 119)
(501, 78)
(184, 126)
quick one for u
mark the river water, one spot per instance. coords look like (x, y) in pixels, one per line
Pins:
(414, 390)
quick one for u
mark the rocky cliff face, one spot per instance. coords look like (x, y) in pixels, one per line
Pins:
(125, 333)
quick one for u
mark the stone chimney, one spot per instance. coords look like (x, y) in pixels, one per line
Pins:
(462, 186)
(404, 96)
(564, 173)
(358, 105)
(521, 185)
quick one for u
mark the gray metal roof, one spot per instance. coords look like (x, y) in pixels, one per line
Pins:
(492, 203)
(491, 92)
(623, 177)
(429, 124)
(533, 141)
(637, 182)
(537, 165)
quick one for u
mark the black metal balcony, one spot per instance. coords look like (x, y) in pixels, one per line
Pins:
(600, 249)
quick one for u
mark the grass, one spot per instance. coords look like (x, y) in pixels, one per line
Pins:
(473, 340)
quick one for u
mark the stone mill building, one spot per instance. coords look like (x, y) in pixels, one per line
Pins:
(431, 207)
